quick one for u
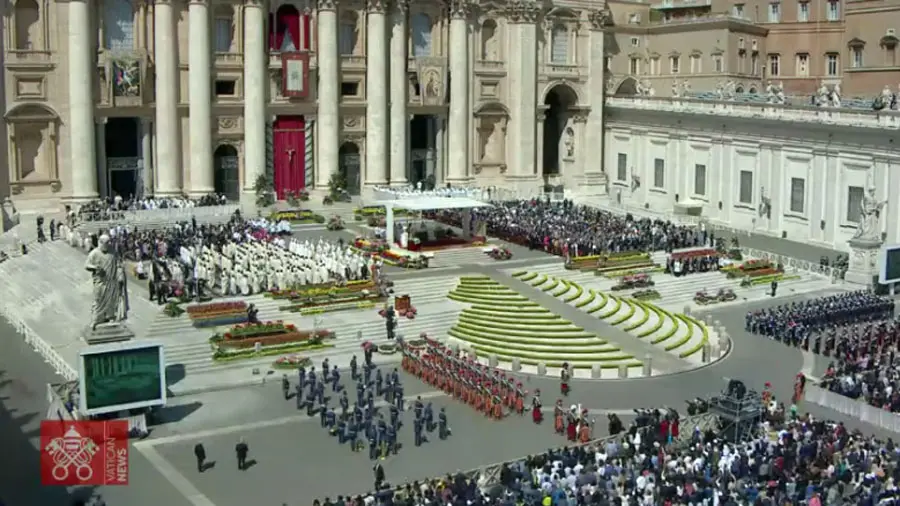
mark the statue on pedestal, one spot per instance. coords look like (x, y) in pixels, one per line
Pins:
(110, 303)
(869, 228)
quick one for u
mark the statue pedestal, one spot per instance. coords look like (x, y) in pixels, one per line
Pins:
(107, 333)
(593, 184)
(863, 268)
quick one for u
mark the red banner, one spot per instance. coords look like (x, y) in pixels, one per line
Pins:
(84, 453)
(295, 75)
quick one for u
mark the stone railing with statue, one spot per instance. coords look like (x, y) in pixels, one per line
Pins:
(795, 265)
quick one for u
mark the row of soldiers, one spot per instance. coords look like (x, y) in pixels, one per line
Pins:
(486, 389)
(795, 322)
(573, 423)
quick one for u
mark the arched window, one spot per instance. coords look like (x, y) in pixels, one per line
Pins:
(224, 29)
(349, 33)
(28, 25)
(287, 29)
(118, 25)
(421, 35)
(489, 46)
(559, 45)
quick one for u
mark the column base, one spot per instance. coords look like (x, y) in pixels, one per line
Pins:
(593, 184)
(863, 268)
(194, 194)
(80, 199)
(398, 183)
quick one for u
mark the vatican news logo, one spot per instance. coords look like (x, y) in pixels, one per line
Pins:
(84, 453)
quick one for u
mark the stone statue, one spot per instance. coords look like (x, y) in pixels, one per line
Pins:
(720, 90)
(729, 90)
(648, 89)
(108, 274)
(779, 93)
(640, 91)
(869, 228)
(765, 203)
(570, 143)
(836, 95)
(770, 92)
(494, 147)
(685, 88)
(676, 90)
(822, 96)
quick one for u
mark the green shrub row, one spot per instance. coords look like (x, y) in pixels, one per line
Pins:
(537, 355)
(517, 316)
(489, 294)
(530, 345)
(699, 346)
(540, 280)
(660, 320)
(522, 312)
(482, 301)
(572, 363)
(562, 290)
(592, 295)
(629, 312)
(634, 326)
(617, 304)
(515, 319)
(527, 277)
(526, 330)
(674, 345)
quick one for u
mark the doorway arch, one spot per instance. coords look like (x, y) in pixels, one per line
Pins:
(559, 101)
(348, 164)
(627, 87)
(227, 180)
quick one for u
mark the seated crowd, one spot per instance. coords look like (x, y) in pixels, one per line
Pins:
(567, 229)
(790, 459)
(110, 208)
(857, 330)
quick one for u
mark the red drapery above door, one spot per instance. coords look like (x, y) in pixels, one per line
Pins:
(287, 19)
(290, 154)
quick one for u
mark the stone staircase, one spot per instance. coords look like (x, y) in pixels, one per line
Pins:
(189, 347)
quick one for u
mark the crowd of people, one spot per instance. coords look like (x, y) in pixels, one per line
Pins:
(567, 229)
(856, 330)
(113, 208)
(788, 459)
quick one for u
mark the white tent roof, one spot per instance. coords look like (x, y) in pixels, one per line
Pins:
(431, 203)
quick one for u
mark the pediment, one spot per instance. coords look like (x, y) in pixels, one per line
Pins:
(717, 51)
(889, 41)
(856, 42)
(635, 54)
(696, 53)
(562, 13)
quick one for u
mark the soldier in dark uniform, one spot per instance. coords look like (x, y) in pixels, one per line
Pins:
(200, 453)
(354, 368)
(344, 403)
(390, 441)
(395, 416)
(299, 396)
(379, 382)
(417, 429)
(352, 436)
(241, 449)
(373, 445)
(320, 393)
(379, 475)
(286, 387)
(325, 370)
(323, 413)
(774, 287)
(301, 377)
(428, 416)
(335, 379)
(418, 408)
(443, 430)
(360, 392)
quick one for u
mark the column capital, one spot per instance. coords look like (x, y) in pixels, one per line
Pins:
(599, 19)
(163, 2)
(459, 9)
(199, 2)
(376, 6)
(253, 3)
(327, 5)
(523, 11)
(400, 6)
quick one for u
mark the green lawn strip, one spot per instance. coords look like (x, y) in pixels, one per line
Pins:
(592, 295)
(496, 303)
(532, 333)
(579, 291)
(553, 283)
(617, 304)
(520, 317)
(540, 280)
(684, 339)
(699, 346)
(644, 319)
(525, 312)
(674, 330)
(514, 319)
(564, 287)
(661, 319)
(532, 346)
(562, 357)
(577, 364)
(522, 326)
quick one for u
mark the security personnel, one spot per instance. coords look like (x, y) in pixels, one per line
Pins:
(373, 446)
(370, 402)
(357, 415)
(352, 436)
(330, 418)
(323, 406)
(335, 379)
(395, 377)
(367, 373)
(382, 436)
(398, 396)
(379, 383)
(301, 376)
(325, 370)
(395, 416)
(344, 403)
(417, 429)
(418, 408)
(299, 396)
(286, 387)
(429, 417)
(443, 430)
(774, 287)
(310, 404)
(323, 413)
(311, 377)
(391, 441)
(360, 392)
(320, 393)
(341, 430)
(354, 368)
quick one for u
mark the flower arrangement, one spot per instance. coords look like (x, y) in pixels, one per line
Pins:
(218, 313)
(249, 330)
(291, 362)
(217, 307)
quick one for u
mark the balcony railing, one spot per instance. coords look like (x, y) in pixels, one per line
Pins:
(353, 60)
(488, 65)
(229, 59)
(554, 70)
(27, 56)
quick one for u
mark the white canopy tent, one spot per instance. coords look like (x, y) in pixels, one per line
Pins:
(425, 204)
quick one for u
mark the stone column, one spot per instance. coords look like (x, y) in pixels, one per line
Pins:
(256, 77)
(430, 136)
(399, 88)
(147, 154)
(595, 179)
(460, 113)
(200, 104)
(327, 140)
(102, 169)
(376, 94)
(540, 115)
(439, 151)
(168, 132)
(523, 100)
(83, 160)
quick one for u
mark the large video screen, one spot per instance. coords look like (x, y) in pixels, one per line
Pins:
(122, 376)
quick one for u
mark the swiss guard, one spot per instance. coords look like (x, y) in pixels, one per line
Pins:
(584, 428)
(559, 413)
(537, 416)
(572, 425)
(520, 399)
(564, 380)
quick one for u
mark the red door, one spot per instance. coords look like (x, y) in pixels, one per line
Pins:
(290, 154)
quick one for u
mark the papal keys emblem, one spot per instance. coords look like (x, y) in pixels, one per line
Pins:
(72, 450)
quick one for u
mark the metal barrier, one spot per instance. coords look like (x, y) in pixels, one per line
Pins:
(853, 408)
(39, 345)
(166, 215)
(794, 264)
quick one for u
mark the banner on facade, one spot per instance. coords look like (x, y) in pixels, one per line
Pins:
(295, 75)
(432, 74)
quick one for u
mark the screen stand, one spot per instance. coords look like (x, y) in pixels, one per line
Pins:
(112, 332)
(863, 268)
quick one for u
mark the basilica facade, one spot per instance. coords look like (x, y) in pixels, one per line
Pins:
(130, 97)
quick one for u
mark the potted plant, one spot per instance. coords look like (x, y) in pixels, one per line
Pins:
(264, 187)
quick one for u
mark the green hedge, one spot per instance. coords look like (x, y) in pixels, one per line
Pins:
(530, 309)
(539, 281)
(514, 316)
(476, 278)
(519, 274)
(515, 319)
(552, 286)
(684, 339)
(527, 276)
(604, 299)
(562, 357)
(617, 304)
(592, 295)
(489, 333)
(529, 345)
(525, 329)
(578, 292)
(674, 330)
(481, 301)
(629, 312)
(488, 294)
(662, 315)
(644, 319)
(699, 346)
(562, 290)
(576, 364)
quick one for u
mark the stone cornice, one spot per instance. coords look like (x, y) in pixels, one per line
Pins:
(460, 9)
(376, 6)
(327, 5)
(523, 11)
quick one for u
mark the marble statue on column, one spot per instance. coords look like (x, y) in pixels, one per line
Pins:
(866, 242)
(869, 228)
(110, 298)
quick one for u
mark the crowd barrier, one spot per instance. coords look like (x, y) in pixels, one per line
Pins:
(50, 355)
(794, 264)
(166, 215)
(853, 408)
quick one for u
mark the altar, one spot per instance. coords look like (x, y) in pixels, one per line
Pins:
(406, 236)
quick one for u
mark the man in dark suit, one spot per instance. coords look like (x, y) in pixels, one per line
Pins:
(241, 449)
(379, 475)
(200, 453)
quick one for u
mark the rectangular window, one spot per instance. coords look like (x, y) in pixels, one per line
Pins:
(738, 10)
(622, 168)
(834, 10)
(774, 65)
(857, 57)
(798, 195)
(226, 88)
(675, 64)
(659, 173)
(654, 66)
(696, 67)
(745, 195)
(635, 66)
(348, 38)
(803, 12)
(774, 12)
(717, 61)
(754, 65)
(224, 29)
(635, 42)
(349, 89)
(854, 203)
(832, 65)
(699, 179)
(803, 64)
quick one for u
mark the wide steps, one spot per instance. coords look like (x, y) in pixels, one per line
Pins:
(676, 333)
